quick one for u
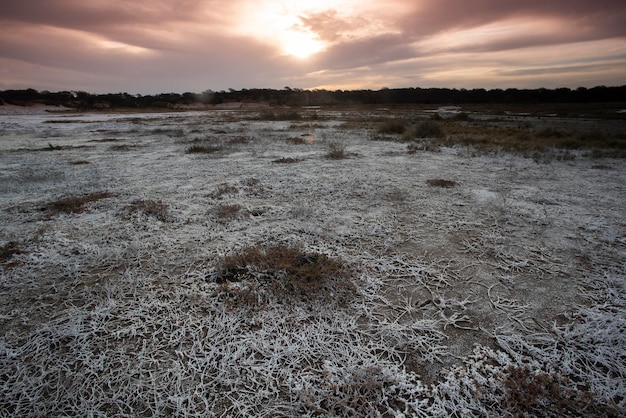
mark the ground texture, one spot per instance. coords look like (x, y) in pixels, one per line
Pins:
(231, 263)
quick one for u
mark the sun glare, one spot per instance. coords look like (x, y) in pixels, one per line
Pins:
(301, 44)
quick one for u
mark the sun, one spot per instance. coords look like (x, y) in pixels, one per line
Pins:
(300, 44)
(278, 23)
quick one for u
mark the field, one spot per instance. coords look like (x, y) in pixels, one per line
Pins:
(312, 262)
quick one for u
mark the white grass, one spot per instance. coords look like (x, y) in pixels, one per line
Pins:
(113, 312)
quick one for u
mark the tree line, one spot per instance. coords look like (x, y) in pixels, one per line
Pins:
(300, 97)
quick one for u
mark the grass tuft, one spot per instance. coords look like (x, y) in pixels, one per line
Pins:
(287, 160)
(74, 204)
(203, 149)
(336, 151)
(153, 208)
(286, 272)
(441, 183)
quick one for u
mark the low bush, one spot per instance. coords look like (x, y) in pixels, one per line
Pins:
(441, 183)
(336, 151)
(393, 126)
(203, 149)
(284, 272)
(152, 208)
(74, 204)
(287, 160)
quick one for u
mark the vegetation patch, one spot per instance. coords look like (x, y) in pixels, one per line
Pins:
(153, 208)
(393, 126)
(79, 162)
(441, 183)
(284, 272)
(203, 149)
(74, 204)
(424, 129)
(227, 213)
(531, 393)
(287, 160)
(7, 251)
(336, 151)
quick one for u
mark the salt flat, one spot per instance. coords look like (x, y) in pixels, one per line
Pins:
(464, 297)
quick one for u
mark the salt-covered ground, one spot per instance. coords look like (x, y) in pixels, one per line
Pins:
(114, 310)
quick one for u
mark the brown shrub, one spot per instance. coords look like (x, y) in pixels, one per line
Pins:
(286, 272)
(74, 204)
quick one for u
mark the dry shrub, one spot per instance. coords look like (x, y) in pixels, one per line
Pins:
(393, 126)
(534, 394)
(285, 272)
(227, 212)
(8, 250)
(296, 140)
(336, 151)
(441, 183)
(287, 160)
(424, 129)
(203, 149)
(74, 204)
(152, 208)
(225, 189)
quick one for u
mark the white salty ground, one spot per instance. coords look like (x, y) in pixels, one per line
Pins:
(114, 312)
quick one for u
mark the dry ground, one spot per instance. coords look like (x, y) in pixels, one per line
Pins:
(464, 281)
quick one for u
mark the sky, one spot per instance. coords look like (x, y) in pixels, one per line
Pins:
(159, 46)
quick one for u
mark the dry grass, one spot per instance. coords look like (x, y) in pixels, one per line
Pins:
(227, 212)
(7, 252)
(393, 126)
(336, 151)
(153, 208)
(203, 149)
(287, 160)
(285, 272)
(74, 204)
(441, 183)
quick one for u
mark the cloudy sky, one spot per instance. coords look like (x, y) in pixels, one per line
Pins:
(154, 46)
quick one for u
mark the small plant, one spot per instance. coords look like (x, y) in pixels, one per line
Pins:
(441, 183)
(203, 149)
(296, 140)
(286, 272)
(393, 126)
(424, 129)
(153, 208)
(225, 189)
(227, 212)
(336, 151)
(533, 394)
(287, 160)
(8, 250)
(74, 204)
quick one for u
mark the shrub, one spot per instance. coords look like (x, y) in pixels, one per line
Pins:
(287, 160)
(74, 204)
(203, 149)
(336, 151)
(428, 129)
(153, 208)
(441, 183)
(227, 212)
(393, 126)
(286, 272)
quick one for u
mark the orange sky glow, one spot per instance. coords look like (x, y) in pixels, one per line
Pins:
(153, 46)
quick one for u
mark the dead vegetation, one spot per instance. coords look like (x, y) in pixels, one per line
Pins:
(153, 208)
(284, 272)
(443, 183)
(74, 204)
(287, 160)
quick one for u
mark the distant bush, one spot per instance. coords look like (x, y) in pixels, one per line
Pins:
(336, 151)
(441, 183)
(424, 129)
(203, 149)
(393, 126)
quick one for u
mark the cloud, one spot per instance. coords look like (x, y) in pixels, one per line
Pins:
(191, 45)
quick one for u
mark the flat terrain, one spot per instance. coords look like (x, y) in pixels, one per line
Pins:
(475, 272)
